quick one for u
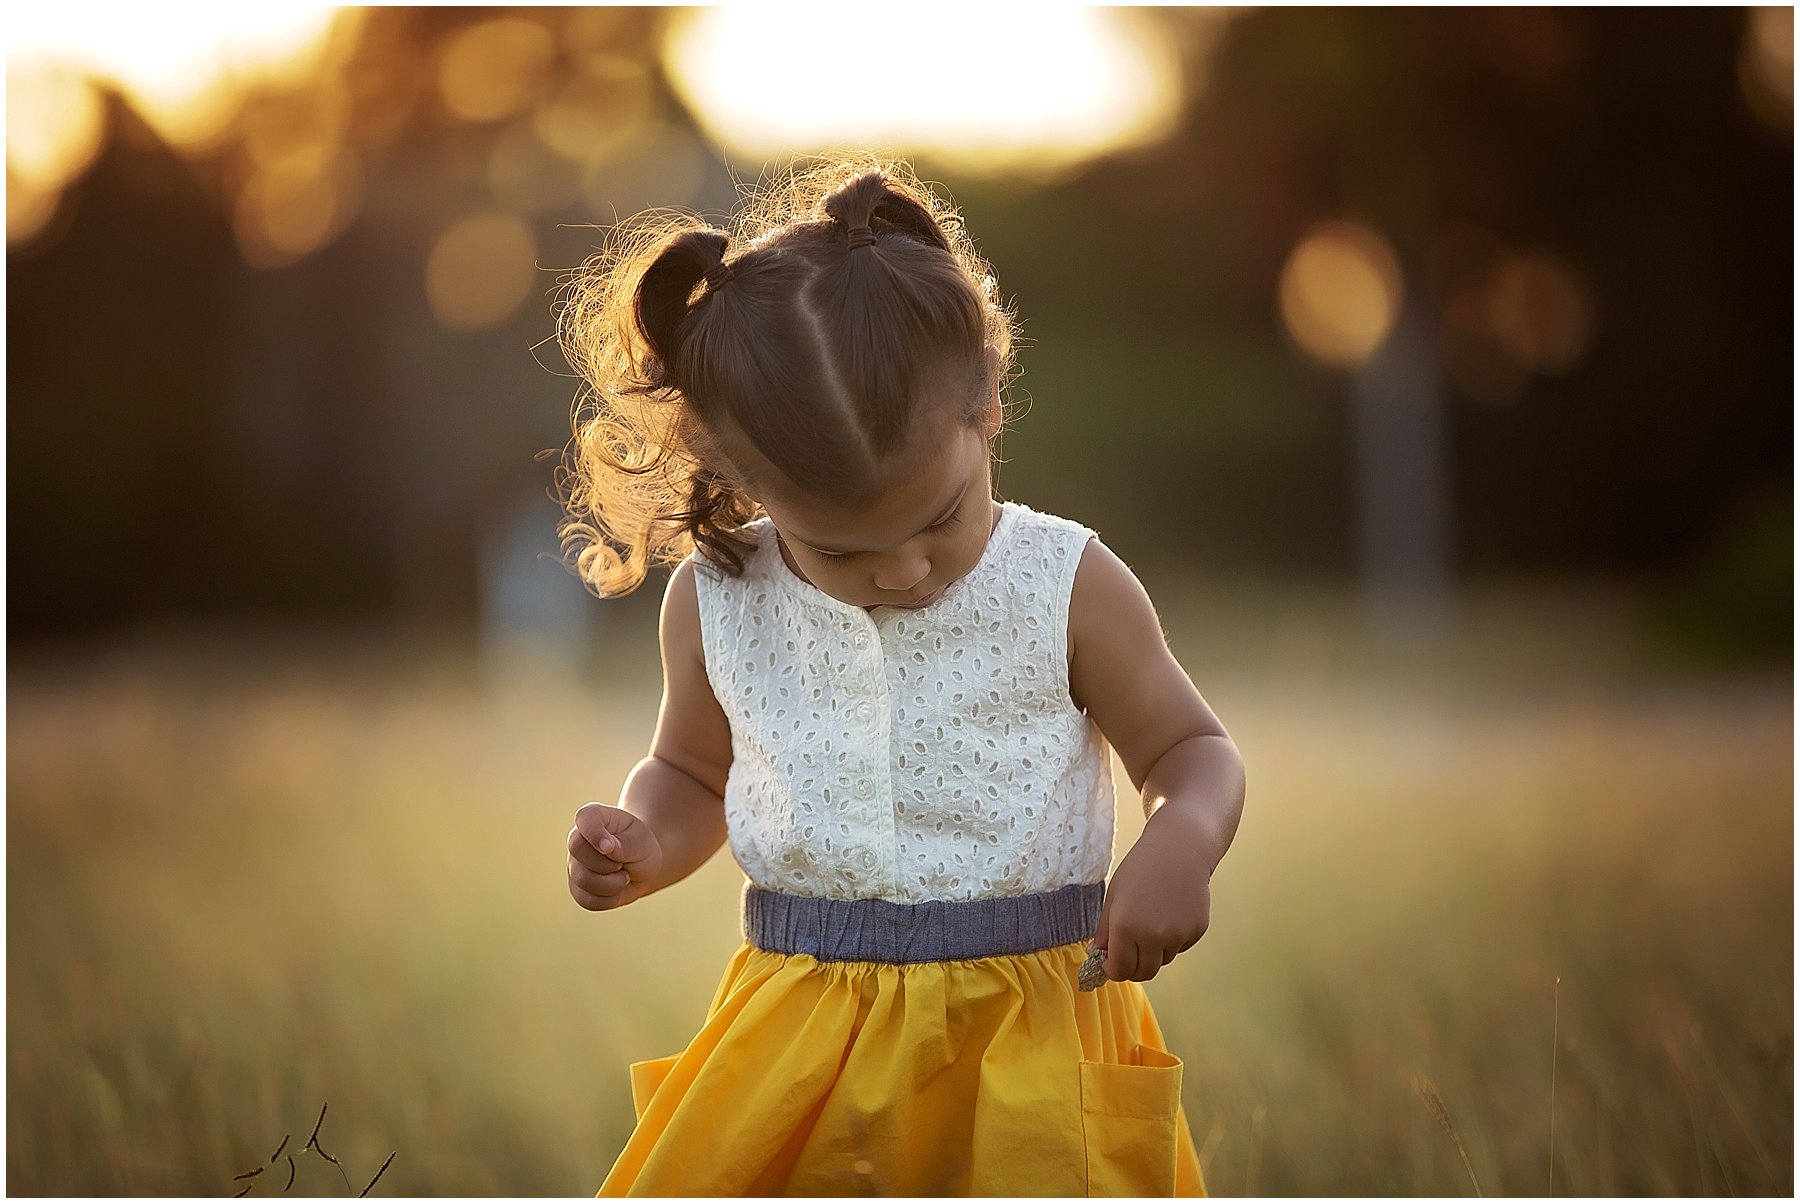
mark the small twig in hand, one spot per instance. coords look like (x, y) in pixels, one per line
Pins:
(384, 1166)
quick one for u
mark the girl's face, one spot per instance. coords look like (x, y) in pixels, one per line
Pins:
(929, 529)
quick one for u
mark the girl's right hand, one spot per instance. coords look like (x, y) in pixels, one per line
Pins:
(614, 857)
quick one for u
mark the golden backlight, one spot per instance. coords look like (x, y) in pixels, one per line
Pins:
(987, 88)
(184, 71)
(178, 67)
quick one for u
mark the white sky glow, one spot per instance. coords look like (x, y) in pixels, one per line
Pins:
(990, 86)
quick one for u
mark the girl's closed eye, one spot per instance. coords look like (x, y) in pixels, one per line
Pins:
(955, 517)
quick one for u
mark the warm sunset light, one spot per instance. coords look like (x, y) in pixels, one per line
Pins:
(992, 89)
(493, 69)
(1340, 292)
(52, 124)
(185, 72)
(178, 66)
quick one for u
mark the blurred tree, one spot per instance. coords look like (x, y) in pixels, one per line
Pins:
(1595, 218)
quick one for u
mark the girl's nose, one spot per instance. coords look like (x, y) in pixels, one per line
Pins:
(902, 575)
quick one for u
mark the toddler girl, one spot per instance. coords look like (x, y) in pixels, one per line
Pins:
(894, 696)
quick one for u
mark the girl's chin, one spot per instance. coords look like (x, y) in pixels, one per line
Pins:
(927, 600)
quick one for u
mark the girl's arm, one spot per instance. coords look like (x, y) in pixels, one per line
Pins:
(1172, 745)
(678, 790)
(1159, 900)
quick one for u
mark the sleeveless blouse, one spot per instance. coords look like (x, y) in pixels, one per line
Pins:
(909, 755)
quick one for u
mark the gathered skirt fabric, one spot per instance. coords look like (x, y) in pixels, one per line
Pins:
(986, 1076)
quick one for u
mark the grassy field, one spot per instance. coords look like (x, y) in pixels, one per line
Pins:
(248, 875)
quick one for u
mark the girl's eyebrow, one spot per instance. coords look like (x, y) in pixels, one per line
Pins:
(943, 513)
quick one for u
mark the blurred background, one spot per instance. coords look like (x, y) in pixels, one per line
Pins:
(1433, 369)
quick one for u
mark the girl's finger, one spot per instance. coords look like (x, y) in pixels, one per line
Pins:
(1148, 963)
(613, 831)
(598, 884)
(588, 855)
(592, 901)
(1121, 960)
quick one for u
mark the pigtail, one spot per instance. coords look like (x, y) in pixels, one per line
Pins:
(868, 198)
(639, 487)
(664, 294)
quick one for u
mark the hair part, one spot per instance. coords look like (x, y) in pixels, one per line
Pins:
(784, 355)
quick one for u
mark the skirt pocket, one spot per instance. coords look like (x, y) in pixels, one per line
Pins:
(646, 1077)
(1130, 1113)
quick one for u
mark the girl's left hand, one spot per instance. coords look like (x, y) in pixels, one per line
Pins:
(1157, 905)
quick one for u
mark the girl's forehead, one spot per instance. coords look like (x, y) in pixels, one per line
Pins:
(914, 492)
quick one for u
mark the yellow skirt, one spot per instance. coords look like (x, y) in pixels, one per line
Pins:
(985, 1077)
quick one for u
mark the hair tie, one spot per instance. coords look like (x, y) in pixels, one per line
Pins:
(718, 274)
(861, 236)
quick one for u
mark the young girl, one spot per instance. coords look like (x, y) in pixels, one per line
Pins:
(894, 696)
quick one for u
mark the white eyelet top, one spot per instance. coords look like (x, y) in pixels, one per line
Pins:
(910, 755)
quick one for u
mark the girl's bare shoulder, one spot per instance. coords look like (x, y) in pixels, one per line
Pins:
(1121, 670)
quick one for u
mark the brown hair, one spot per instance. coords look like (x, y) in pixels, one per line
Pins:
(853, 292)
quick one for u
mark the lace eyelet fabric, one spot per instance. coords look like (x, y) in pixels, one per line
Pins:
(910, 755)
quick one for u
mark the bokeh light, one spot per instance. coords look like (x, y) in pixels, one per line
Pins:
(597, 110)
(1340, 292)
(495, 68)
(1474, 361)
(278, 126)
(1766, 66)
(1507, 314)
(1540, 313)
(28, 210)
(996, 89)
(295, 204)
(54, 126)
(184, 72)
(480, 271)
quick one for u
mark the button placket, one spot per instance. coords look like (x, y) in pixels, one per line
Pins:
(884, 816)
(872, 792)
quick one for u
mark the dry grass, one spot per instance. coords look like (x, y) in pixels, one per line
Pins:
(238, 888)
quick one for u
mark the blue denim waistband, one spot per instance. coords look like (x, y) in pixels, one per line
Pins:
(938, 930)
